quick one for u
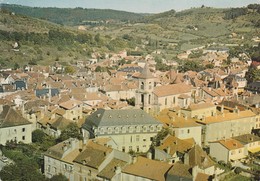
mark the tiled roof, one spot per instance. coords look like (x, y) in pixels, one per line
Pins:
(198, 157)
(200, 106)
(9, 117)
(149, 169)
(231, 144)
(61, 123)
(227, 117)
(180, 170)
(173, 89)
(247, 138)
(175, 144)
(60, 150)
(110, 170)
(93, 155)
(202, 177)
(70, 104)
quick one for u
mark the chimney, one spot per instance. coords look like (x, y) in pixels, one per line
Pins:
(149, 155)
(179, 113)
(134, 159)
(117, 169)
(168, 150)
(222, 109)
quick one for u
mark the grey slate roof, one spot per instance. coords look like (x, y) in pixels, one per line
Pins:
(44, 92)
(120, 117)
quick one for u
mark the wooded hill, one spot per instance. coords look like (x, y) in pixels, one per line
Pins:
(74, 16)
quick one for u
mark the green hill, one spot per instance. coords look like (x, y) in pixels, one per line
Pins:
(42, 42)
(73, 16)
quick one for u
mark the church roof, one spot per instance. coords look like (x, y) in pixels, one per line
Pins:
(146, 73)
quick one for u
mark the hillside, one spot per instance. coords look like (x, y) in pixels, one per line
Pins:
(42, 42)
(170, 33)
(175, 32)
(75, 16)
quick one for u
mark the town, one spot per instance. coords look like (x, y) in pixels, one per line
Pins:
(135, 119)
(132, 116)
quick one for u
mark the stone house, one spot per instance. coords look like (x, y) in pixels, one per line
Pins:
(13, 127)
(130, 129)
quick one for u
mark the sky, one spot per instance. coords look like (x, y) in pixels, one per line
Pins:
(138, 6)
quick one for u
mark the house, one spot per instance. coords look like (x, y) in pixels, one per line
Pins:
(200, 110)
(145, 169)
(227, 125)
(13, 127)
(227, 150)
(58, 159)
(98, 162)
(72, 109)
(233, 81)
(179, 171)
(181, 127)
(254, 87)
(251, 142)
(199, 161)
(172, 149)
(131, 129)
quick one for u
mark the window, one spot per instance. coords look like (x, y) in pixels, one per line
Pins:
(89, 173)
(124, 129)
(109, 130)
(152, 128)
(137, 138)
(131, 129)
(49, 168)
(137, 128)
(145, 128)
(137, 148)
(117, 129)
(23, 129)
(173, 100)
(101, 130)
(188, 131)
(123, 149)
(23, 138)
(130, 148)
(165, 101)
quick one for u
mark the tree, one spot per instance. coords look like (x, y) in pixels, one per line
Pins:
(160, 136)
(69, 70)
(191, 65)
(38, 136)
(16, 66)
(71, 131)
(26, 169)
(98, 69)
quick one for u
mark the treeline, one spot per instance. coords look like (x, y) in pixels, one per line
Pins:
(54, 36)
(236, 12)
(69, 16)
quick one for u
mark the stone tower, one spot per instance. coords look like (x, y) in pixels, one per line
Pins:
(144, 95)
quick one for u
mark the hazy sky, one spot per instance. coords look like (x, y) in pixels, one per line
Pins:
(140, 6)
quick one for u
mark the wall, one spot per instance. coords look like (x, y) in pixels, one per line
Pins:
(22, 133)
